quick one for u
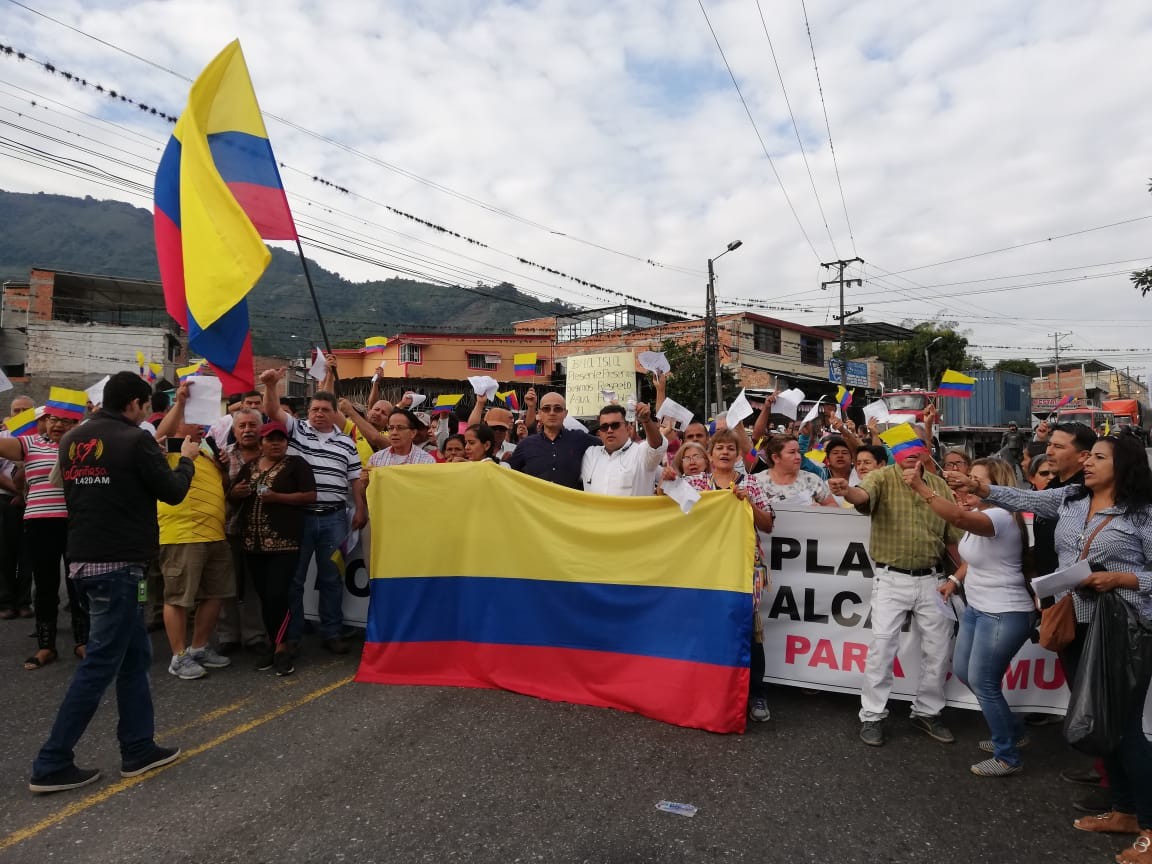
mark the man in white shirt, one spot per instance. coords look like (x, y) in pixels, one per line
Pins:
(623, 466)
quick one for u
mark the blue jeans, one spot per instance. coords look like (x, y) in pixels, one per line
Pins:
(118, 649)
(322, 535)
(985, 646)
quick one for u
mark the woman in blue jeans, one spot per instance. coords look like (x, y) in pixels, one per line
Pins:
(1001, 611)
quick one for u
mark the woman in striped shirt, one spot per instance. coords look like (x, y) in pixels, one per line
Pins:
(46, 533)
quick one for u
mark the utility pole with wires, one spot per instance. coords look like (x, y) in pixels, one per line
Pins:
(843, 316)
(1056, 337)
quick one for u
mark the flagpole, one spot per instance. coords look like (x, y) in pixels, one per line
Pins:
(316, 306)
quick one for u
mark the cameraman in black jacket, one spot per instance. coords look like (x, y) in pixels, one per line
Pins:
(113, 473)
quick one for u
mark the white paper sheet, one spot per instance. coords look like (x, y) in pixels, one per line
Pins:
(95, 392)
(418, 399)
(674, 411)
(787, 402)
(1062, 580)
(811, 415)
(575, 425)
(5, 384)
(877, 411)
(680, 491)
(204, 396)
(483, 385)
(739, 411)
(609, 397)
(653, 361)
(319, 367)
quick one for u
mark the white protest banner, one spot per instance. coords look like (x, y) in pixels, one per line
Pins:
(787, 403)
(816, 617)
(589, 374)
(483, 385)
(204, 397)
(739, 410)
(674, 411)
(653, 361)
(355, 602)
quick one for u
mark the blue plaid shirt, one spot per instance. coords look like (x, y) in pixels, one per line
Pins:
(1124, 546)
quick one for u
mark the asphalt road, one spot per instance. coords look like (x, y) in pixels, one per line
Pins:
(316, 768)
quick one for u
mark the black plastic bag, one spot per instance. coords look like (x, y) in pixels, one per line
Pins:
(1099, 706)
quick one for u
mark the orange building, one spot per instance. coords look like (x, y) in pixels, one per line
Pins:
(416, 357)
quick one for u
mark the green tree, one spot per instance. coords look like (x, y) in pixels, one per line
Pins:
(1142, 279)
(905, 360)
(1024, 367)
(686, 383)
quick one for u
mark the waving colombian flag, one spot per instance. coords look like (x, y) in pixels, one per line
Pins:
(524, 364)
(903, 441)
(956, 385)
(218, 192)
(598, 625)
(23, 423)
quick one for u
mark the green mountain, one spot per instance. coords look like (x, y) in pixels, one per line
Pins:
(112, 238)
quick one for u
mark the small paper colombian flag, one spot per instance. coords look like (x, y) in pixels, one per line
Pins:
(186, 372)
(956, 384)
(23, 423)
(524, 364)
(509, 398)
(69, 404)
(843, 397)
(375, 344)
(1064, 400)
(902, 440)
(447, 402)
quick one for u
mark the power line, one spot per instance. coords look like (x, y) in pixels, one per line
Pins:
(477, 202)
(1023, 245)
(827, 125)
(756, 129)
(432, 225)
(796, 129)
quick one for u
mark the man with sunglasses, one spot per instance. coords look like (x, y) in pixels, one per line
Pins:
(554, 453)
(622, 466)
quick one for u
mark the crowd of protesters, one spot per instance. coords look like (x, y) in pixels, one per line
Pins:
(241, 511)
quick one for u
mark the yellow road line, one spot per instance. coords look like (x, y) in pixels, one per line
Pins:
(224, 710)
(208, 717)
(127, 783)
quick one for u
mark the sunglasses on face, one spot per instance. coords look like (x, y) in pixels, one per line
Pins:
(611, 427)
(551, 409)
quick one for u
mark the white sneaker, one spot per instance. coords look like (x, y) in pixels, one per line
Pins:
(209, 659)
(184, 666)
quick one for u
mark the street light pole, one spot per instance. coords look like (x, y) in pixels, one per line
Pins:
(927, 365)
(712, 336)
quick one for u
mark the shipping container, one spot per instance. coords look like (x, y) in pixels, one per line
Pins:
(998, 398)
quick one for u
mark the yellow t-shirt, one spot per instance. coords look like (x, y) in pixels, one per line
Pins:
(199, 518)
(362, 446)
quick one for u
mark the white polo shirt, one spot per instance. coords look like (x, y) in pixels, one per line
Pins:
(631, 470)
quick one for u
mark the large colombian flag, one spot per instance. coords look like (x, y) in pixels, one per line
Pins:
(218, 192)
(527, 586)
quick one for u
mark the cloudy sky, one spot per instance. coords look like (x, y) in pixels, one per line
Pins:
(606, 140)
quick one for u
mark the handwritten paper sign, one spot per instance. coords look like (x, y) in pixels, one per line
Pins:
(590, 374)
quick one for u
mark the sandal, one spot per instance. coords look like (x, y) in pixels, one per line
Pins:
(36, 662)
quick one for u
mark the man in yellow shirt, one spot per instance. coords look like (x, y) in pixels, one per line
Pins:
(195, 559)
